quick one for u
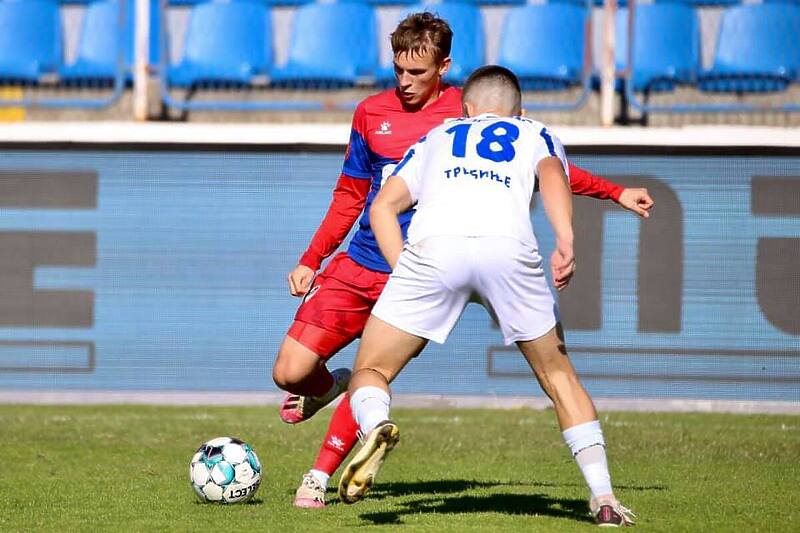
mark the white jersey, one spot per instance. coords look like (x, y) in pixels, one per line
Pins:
(475, 177)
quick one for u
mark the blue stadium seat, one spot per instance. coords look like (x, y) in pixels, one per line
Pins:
(666, 45)
(390, 2)
(697, 3)
(544, 45)
(100, 40)
(267, 2)
(757, 49)
(226, 42)
(624, 3)
(330, 44)
(30, 39)
(469, 43)
(497, 2)
(598, 3)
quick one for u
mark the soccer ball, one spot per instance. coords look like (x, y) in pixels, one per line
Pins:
(225, 470)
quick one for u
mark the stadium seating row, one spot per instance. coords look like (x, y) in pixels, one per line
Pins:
(231, 42)
(478, 2)
(756, 49)
(486, 2)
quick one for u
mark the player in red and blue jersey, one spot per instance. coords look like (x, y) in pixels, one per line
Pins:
(338, 301)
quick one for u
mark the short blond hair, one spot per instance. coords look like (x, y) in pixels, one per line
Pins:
(422, 32)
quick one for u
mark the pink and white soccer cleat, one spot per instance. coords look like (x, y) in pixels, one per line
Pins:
(310, 494)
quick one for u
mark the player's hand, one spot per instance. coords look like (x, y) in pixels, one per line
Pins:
(562, 263)
(636, 200)
(300, 280)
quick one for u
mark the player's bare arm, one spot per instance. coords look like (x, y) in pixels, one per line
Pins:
(393, 199)
(557, 200)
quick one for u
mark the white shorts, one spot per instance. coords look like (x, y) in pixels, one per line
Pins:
(435, 279)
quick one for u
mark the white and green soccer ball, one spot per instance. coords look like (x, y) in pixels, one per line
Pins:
(225, 470)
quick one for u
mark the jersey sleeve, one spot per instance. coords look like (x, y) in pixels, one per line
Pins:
(356, 157)
(349, 198)
(550, 146)
(409, 169)
(584, 183)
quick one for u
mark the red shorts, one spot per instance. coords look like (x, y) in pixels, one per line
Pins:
(336, 308)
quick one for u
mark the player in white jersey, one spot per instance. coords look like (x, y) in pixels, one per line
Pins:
(471, 239)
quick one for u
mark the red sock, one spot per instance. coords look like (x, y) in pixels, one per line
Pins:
(340, 439)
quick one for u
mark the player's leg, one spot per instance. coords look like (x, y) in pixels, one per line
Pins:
(382, 354)
(547, 356)
(331, 316)
(514, 289)
(308, 343)
(423, 299)
(300, 369)
(340, 439)
(342, 302)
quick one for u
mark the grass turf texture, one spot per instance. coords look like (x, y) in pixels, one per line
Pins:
(125, 468)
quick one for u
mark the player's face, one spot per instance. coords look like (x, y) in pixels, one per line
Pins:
(418, 77)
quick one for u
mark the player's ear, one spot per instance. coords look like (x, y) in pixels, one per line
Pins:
(444, 66)
(469, 109)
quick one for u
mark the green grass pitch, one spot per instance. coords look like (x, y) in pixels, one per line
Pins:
(125, 468)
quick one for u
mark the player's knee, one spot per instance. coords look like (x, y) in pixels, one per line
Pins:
(292, 366)
(285, 374)
(288, 373)
(368, 375)
(279, 376)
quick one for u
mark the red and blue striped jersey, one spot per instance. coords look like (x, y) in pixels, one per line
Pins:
(382, 131)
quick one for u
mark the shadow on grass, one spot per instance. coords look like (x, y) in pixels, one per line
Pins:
(434, 486)
(511, 504)
(441, 497)
(450, 486)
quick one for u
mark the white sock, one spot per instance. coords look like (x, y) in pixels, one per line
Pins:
(588, 447)
(320, 476)
(370, 406)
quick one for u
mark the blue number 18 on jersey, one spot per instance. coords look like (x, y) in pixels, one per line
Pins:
(497, 141)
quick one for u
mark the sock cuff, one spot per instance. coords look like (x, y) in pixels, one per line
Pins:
(321, 476)
(582, 436)
(362, 393)
(370, 406)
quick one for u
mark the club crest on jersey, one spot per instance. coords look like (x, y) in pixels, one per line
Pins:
(385, 129)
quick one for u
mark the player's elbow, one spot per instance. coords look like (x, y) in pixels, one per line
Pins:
(379, 208)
